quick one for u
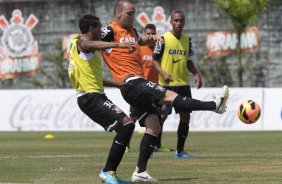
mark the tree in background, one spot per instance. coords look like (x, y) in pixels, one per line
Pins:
(242, 13)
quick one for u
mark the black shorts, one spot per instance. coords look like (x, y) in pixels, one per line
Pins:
(143, 96)
(141, 112)
(164, 110)
(181, 90)
(101, 110)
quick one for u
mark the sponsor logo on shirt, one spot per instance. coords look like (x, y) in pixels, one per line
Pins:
(177, 52)
(176, 61)
(127, 39)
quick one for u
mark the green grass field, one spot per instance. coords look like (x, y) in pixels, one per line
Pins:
(77, 157)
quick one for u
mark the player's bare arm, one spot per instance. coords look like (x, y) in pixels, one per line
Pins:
(194, 71)
(167, 78)
(90, 45)
(146, 39)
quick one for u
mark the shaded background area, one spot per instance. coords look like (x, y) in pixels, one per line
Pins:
(58, 18)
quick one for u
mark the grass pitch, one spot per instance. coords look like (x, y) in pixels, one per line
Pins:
(77, 157)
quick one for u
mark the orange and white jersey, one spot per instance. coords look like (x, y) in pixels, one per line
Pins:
(146, 55)
(121, 61)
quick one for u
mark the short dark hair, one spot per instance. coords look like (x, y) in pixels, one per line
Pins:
(118, 6)
(86, 21)
(176, 11)
(150, 26)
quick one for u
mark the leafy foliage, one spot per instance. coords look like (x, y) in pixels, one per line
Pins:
(242, 13)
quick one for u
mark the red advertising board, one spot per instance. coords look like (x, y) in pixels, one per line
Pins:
(225, 42)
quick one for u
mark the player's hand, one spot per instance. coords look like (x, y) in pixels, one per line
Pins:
(198, 80)
(167, 78)
(155, 39)
(131, 45)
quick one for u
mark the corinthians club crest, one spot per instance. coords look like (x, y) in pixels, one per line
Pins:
(18, 49)
(158, 18)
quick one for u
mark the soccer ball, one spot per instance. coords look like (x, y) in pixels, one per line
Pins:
(249, 112)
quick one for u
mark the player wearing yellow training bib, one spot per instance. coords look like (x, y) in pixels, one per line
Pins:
(174, 62)
(85, 72)
(175, 55)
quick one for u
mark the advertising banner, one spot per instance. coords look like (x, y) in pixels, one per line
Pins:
(225, 42)
(57, 110)
(272, 107)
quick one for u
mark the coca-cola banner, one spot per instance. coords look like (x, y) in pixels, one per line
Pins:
(42, 110)
(57, 110)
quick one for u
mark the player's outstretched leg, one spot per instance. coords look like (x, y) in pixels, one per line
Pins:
(218, 105)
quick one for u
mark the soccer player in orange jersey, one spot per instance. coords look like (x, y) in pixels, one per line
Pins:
(143, 95)
(151, 74)
(146, 55)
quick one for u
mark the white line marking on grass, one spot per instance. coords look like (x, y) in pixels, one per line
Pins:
(8, 157)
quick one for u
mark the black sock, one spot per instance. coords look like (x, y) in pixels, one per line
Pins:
(118, 147)
(146, 149)
(182, 133)
(186, 104)
(159, 138)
